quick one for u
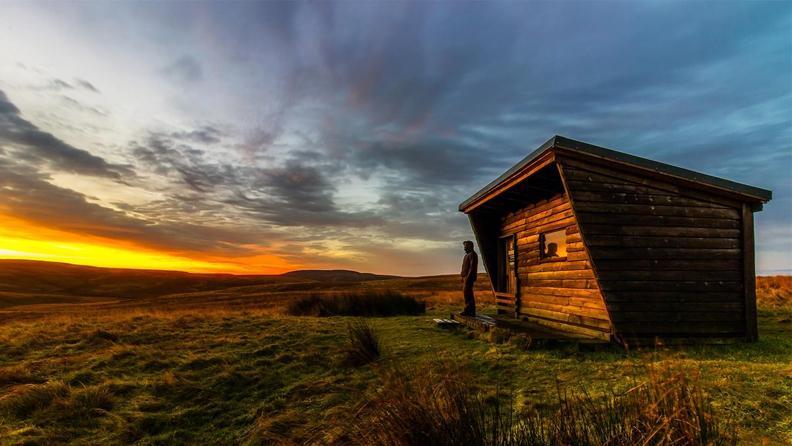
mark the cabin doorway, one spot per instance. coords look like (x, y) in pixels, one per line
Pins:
(507, 265)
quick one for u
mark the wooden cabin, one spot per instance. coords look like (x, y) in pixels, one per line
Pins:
(603, 244)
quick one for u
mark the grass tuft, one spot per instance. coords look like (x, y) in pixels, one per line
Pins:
(18, 374)
(368, 304)
(438, 406)
(22, 401)
(98, 336)
(364, 343)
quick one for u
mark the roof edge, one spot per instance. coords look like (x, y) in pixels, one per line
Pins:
(549, 144)
(711, 181)
(564, 143)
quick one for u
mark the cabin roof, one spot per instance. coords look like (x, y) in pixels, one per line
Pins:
(556, 143)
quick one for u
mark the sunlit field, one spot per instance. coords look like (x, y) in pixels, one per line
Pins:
(230, 366)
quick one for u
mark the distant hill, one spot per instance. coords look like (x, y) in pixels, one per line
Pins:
(336, 275)
(51, 279)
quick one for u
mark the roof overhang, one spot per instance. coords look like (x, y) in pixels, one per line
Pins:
(546, 154)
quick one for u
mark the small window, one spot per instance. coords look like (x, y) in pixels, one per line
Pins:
(553, 245)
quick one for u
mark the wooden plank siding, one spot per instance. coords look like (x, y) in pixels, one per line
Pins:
(560, 294)
(669, 261)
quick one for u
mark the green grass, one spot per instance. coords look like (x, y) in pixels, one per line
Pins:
(229, 377)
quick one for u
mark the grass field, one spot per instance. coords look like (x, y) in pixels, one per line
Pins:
(229, 367)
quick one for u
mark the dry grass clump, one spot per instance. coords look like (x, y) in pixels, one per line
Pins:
(774, 291)
(17, 374)
(368, 304)
(364, 343)
(25, 399)
(58, 399)
(438, 406)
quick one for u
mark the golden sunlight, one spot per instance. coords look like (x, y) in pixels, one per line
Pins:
(21, 240)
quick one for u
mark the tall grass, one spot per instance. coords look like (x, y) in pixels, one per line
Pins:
(438, 406)
(369, 303)
(774, 292)
(364, 343)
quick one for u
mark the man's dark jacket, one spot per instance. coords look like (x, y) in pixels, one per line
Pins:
(470, 267)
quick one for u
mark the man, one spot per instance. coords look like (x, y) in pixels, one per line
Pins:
(469, 273)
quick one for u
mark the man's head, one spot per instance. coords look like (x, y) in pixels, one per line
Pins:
(468, 245)
(552, 250)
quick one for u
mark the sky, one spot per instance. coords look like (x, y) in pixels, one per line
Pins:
(253, 137)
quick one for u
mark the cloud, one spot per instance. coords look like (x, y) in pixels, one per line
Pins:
(27, 194)
(348, 126)
(185, 69)
(56, 84)
(86, 85)
(79, 106)
(34, 145)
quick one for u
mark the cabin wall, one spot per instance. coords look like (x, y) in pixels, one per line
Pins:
(668, 259)
(562, 294)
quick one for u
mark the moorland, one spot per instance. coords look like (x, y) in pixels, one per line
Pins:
(99, 356)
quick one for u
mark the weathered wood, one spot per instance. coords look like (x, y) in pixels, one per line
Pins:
(652, 179)
(692, 275)
(559, 220)
(659, 285)
(566, 292)
(575, 271)
(682, 328)
(662, 231)
(632, 188)
(569, 328)
(590, 312)
(531, 219)
(662, 253)
(558, 266)
(749, 275)
(562, 274)
(656, 210)
(539, 206)
(564, 283)
(676, 316)
(585, 218)
(669, 265)
(712, 307)
(650, 198)
(616, 296)
(662, 242)
(564, 301)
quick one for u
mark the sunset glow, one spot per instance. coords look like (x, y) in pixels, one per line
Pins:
(259, 137)
(22, 241)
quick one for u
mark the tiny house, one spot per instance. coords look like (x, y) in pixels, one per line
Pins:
(603, 244)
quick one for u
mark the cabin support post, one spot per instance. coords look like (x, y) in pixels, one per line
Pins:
(749, 274)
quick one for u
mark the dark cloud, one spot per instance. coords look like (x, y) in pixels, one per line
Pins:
(32, 144)
(296, 193)
(169, 157)
(27, 194)
(185, 69)
(202, 135)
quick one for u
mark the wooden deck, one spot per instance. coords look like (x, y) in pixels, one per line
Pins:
(535, 331)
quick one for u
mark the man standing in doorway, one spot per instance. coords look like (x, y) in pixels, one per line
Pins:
(469, 273)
